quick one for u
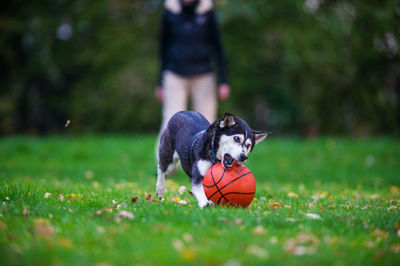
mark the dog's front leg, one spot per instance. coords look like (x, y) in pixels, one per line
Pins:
(198, 190)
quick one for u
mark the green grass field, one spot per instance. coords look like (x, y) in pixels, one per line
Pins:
(323, 201)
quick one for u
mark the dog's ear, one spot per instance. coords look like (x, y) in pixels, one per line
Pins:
(260, 136)
(228, 121)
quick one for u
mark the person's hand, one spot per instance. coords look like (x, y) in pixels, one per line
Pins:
(224, 91)
(159, 93)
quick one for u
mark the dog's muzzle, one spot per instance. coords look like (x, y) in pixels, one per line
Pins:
(228, 161)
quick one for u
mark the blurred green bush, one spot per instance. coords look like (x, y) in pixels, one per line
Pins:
(296, 67)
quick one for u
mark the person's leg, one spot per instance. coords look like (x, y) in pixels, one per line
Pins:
(175, 100)
(204, 96)
(175, 96)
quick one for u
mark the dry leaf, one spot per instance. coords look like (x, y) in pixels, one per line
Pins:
(380, 233)
(89, 174)
(47, 195)
(148, 197)
(3, 226)
(124, 215)
(42, 228)
(292, 195)
(394, 189)
(259, 230)
(187, 237)
(313, 216)
(176, 199)
(257, 251)
(134, 199)
(177, 244)
(395, 248)
(273, 205)
(64, 242)
(25, 212)
(182, 202)
(181, 190)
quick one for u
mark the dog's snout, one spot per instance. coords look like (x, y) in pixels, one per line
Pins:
(243, 157)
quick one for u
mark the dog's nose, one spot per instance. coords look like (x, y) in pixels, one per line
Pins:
(243, 157)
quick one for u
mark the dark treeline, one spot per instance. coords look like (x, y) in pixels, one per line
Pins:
(295, 67)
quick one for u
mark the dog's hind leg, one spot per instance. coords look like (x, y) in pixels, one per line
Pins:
(165, 161)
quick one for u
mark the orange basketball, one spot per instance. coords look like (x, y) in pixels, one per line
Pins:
(234, 187)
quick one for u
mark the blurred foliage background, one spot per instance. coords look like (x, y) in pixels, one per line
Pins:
(296, 67)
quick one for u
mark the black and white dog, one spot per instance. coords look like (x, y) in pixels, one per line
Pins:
(190, 138)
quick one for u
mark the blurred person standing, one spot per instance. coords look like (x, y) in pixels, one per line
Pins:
(189, 38)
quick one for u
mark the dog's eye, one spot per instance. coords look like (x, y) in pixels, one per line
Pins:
(237, 139)
(248, 146)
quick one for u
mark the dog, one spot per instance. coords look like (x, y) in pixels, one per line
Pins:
(190, 138)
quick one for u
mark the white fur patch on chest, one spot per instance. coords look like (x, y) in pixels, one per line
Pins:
(203, 166)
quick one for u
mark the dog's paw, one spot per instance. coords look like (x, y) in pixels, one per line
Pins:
(207, 203)
(160, 192)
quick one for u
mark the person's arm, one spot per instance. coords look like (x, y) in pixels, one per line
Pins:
(223, 88)
(163, 42)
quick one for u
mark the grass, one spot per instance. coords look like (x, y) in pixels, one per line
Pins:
(322, 201)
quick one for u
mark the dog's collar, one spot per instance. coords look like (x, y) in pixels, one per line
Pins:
(213, 157)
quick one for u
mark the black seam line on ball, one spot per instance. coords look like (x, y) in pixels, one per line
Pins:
(228, 183)
(241, 193)
(213, 179)
(235, 180)
(222, 195)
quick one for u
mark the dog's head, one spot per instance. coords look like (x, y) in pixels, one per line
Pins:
(232, 139)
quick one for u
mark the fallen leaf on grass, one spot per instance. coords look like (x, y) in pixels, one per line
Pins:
(313, 216)
(177, 244)
(42, 228)
(89, 174)
(25, 212)
(181, 190)
(259, 230)
(150, 199)
(47, 195)
(64, 242)
(380, 234)
(395, 248)
(176, 199)
(61, 197)
(292, 220)
(273, 205)
(187, 237)
(257, 251)
(374, 196)
(292, 195)
(369, 244)
(232, 262)
(134, 199)
(100, 229)
(392, 208)
(124, 215)
(103, 211)
(394, 190)
(2, 226)
(182, 202)
(74, 196)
